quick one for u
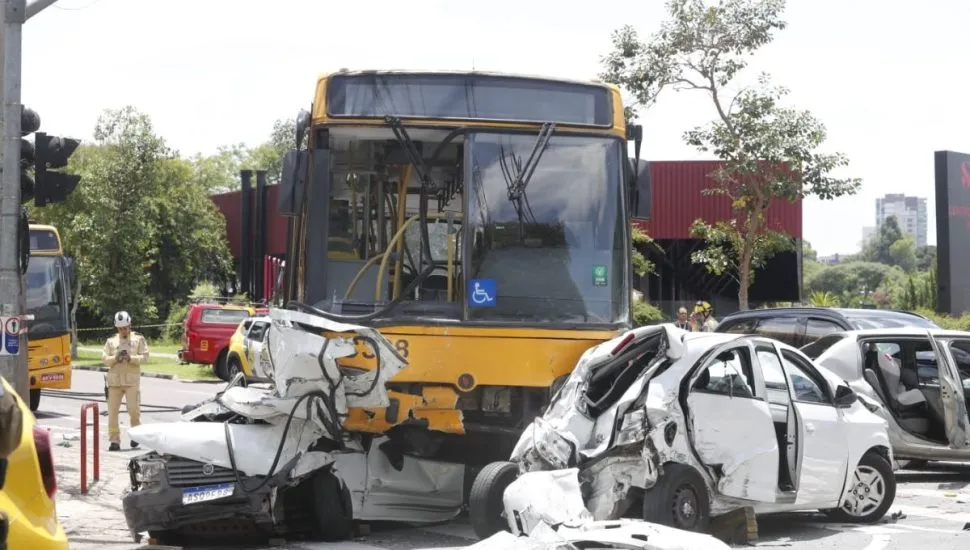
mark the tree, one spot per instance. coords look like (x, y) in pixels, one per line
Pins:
(140, 226)
(877, 248)
(643, 312)
(269, 155)
(769, 151)
(925, 258)
(903, 253)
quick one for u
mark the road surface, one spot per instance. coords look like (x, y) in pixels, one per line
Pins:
(934, 503)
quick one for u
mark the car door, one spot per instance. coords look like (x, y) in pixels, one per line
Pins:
(731, 425)
(254, 347)
(952, 395)
(822, 448)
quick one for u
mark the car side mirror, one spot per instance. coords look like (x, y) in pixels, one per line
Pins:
(845, 397)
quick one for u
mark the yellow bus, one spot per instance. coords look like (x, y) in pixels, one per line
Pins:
(48, 296)
(481, 222)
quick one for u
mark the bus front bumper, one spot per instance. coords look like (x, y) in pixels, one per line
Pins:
(51, 377)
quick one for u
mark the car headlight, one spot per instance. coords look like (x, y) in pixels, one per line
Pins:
(148, 472)
(552, 446)
(633, 428)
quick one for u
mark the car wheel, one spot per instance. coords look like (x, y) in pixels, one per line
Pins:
(34, 400)
(870, 492)
(221, 367)
(233, 368)
(332, 508)
(486, 507)
(679, 499)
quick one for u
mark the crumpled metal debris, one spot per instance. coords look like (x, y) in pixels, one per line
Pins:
(621, 534)
(548, 507)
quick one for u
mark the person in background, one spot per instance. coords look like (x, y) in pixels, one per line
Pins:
(704, 317)
(123, 355)
(682, 321)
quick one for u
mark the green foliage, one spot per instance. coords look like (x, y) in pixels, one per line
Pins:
(641, 265)
(877, 249)
(852, 279)
(140, 226)
(824, 299)
(769, 151)
(173, 330)
(903, 253)
(646, 314)
(726, 243)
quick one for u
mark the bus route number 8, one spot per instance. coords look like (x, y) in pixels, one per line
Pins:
(402, 348)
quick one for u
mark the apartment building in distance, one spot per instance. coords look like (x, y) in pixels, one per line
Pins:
(910, 213)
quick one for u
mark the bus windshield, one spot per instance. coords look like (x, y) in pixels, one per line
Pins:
(554, 251)
(46, 297)
(511, 241)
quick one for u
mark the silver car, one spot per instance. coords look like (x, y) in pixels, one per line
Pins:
(920, 376)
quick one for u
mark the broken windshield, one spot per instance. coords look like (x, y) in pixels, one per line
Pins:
(551, 251)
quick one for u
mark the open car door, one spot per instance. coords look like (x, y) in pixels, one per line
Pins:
(951, 393)
(732, 430)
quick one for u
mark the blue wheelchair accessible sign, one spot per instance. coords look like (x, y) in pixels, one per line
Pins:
(482, 293)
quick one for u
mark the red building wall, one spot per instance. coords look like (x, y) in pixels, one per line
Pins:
(677, 201)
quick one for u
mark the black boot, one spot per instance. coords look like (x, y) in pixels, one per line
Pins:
(115, 446)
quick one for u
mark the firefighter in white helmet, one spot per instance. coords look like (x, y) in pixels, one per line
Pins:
(124, 354)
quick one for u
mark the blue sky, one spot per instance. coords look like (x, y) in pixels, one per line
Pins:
(889, 81)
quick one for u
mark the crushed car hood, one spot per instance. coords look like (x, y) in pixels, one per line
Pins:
(308, 398)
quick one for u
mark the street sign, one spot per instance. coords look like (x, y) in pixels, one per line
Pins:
(11, 335)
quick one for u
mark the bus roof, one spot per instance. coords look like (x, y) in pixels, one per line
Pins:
(45, 240)
(609, 117)
(496, 74)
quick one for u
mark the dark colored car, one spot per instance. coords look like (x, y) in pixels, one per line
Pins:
(800, 326)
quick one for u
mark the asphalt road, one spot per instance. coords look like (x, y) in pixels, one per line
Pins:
(932, 506)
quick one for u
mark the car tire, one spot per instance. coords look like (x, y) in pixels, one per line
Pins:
(221, 367)
(679, 499)
(486, 506)
(332, 508)
(872, 464)
(34, 400)
(233, 367)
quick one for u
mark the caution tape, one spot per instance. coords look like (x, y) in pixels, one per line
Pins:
(133, 327)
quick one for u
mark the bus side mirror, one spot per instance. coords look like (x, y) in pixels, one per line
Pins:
(302, 122)
(641, 190)
(292, 182)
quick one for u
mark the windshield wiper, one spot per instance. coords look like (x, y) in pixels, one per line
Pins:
(525, 173)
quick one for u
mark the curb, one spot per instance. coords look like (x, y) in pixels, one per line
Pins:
(101, 368)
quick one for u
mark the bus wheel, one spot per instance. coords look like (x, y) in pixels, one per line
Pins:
(34, 400)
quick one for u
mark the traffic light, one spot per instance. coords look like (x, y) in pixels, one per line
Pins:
(53, 152)
(29, 123)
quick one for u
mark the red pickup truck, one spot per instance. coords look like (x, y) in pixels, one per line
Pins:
(206, 332)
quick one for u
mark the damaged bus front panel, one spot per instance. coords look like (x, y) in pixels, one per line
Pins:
(276, 457)
(483, 230)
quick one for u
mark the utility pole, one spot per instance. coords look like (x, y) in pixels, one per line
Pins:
(13, 356)
(13, 360)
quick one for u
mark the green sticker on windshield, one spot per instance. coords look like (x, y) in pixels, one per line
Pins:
(599, 275)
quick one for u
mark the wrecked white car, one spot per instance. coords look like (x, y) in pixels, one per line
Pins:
(274, 458)
(921, 376)
(676, 427)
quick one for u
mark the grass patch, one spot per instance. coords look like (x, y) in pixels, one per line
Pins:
(156, 365)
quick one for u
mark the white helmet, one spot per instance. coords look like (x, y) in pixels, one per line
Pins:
(122, 319)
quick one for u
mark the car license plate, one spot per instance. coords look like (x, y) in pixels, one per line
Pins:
(192, 495)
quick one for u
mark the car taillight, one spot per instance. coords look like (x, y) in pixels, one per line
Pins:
(623, 343)
(42, 442)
